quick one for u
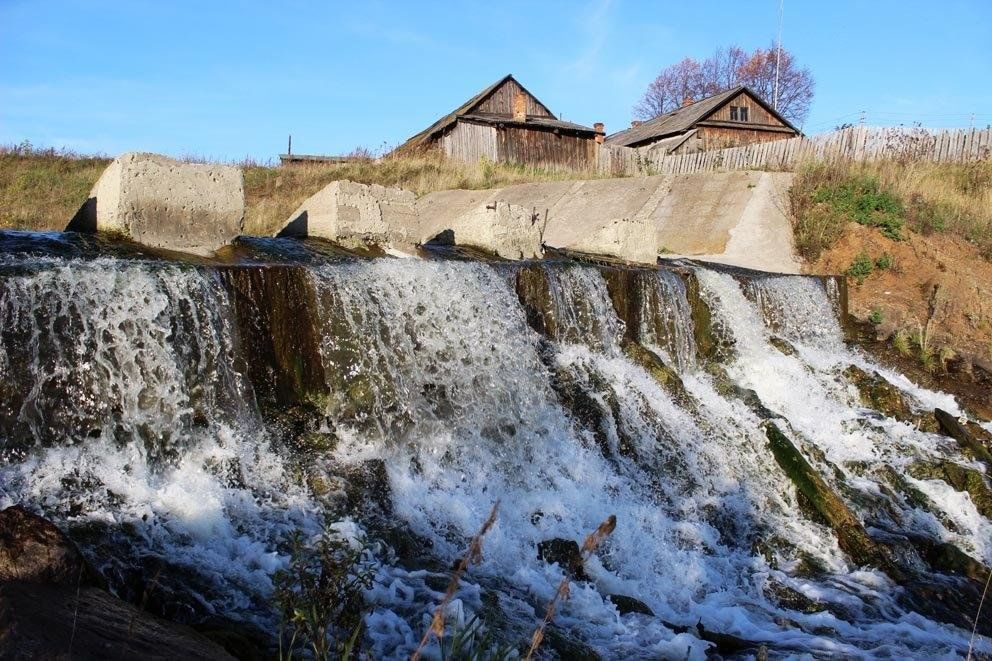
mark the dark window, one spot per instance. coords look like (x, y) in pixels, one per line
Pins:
(738, 113)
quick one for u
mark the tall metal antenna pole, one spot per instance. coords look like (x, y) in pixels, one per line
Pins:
(778, 51)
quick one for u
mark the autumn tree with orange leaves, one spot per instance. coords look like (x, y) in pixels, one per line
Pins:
(692, 80)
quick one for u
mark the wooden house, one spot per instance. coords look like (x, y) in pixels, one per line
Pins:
(729, 119)
(506, 123)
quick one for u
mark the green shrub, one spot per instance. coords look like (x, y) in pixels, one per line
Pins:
(320, 598)
(884, 262)
(861, 267)
(875, 318)
(861, 198)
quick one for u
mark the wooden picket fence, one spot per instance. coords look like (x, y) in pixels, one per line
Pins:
(858, 143)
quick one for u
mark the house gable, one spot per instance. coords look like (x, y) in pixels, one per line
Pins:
(757, 112)
(714, 111)
(499, 100)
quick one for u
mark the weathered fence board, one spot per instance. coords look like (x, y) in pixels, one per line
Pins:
(859, 143)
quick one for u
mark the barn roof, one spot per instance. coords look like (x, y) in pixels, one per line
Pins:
(685, 118)
(464, 111)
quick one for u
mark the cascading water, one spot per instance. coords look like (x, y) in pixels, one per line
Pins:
(132, 415)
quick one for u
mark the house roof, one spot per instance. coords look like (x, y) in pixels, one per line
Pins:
(685, 118)
(464, 111)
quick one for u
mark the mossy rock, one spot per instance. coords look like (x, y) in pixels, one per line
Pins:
(534, 293)
(963, 479)
(625, 287)
(878, 394)
(973, 439)
(656, 367)
(782, 345)
(852, 537)
(791, 599)
(707, 344)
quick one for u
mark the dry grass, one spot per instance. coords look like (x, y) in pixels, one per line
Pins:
(472, 556)
(43, 189)
(593, 540)
(273, 193)
(924, 197)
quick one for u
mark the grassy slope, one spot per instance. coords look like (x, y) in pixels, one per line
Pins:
(916, 240)
(42, 190)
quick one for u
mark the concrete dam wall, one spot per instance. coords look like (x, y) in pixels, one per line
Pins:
(737, 218)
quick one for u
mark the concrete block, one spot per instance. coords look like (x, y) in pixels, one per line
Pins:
(629, 239)
(164, 203)
(508, 230)
(355, 215)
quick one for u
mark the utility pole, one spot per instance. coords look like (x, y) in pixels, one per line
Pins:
(778, 51)
(289, 147)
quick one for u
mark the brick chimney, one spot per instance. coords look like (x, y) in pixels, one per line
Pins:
(687, 101)
(635, 123)
(519, 107)
(600, 129)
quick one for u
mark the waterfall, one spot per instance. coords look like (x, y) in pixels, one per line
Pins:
(196, 416)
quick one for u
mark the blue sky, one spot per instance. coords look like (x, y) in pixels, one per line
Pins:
(229, 80)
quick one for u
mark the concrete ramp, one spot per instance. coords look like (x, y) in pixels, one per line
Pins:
(737, 218)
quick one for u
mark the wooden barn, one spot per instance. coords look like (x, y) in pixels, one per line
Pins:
(729, 119)
(506, 123)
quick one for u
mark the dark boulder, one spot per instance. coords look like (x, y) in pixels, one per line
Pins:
(564, 552)
(52, 608)
(32, 549)
(627, 605)
(45, 621)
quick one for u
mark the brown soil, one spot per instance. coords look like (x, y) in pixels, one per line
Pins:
(904, 292)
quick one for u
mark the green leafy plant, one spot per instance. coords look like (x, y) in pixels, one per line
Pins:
(320, 597)
(861, 267)
(883, 262)
(875, 318)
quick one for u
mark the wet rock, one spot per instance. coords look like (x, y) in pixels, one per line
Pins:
(241, 640)
(567, 647)
(782, 345)
(791, 599)
(725, 643)
(32, 549)
(661, 372)
(565, 553)
(852, 537)
(626, 605)
(626, 291)
(367, 488)
(51, 605)
(968, 437)
(60, 622)
(707, 344)
(280, 340)
(877, 393)
(964, 479)
(534, 293)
